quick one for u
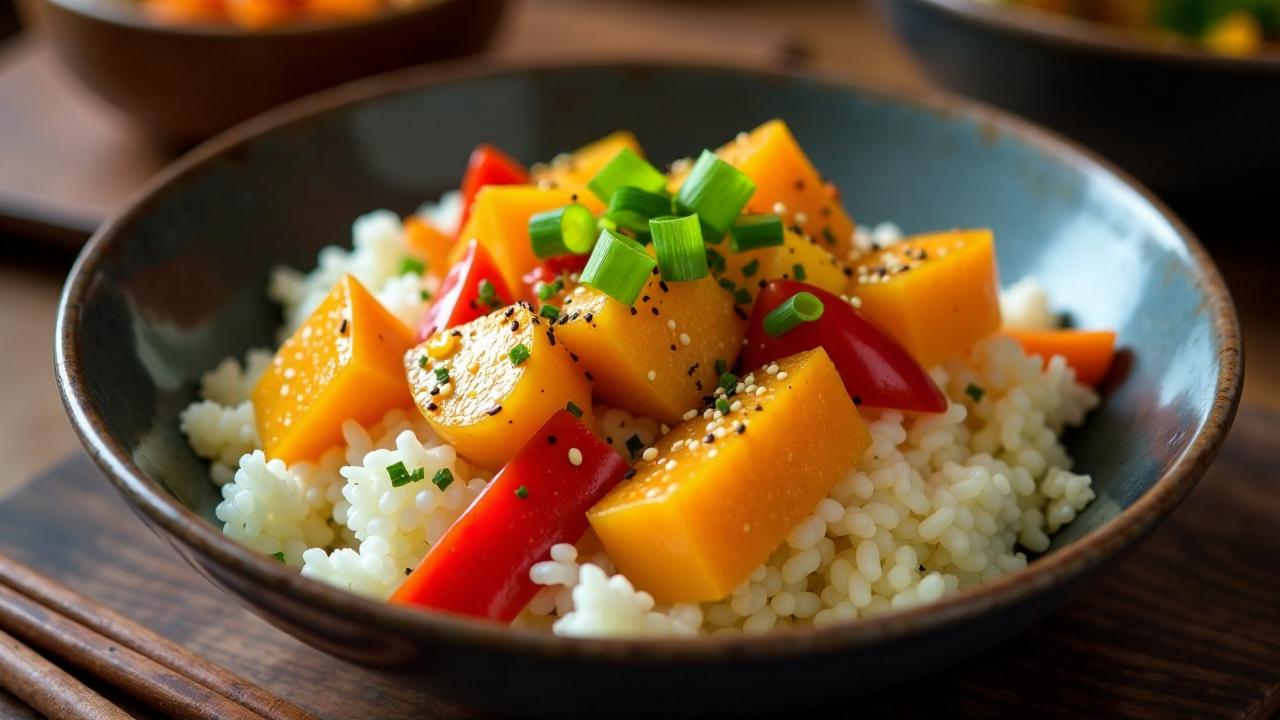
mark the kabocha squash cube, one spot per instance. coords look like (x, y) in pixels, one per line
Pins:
(487, 386)
(658, 357)
(772, 158)
(937, 294)
(797, 258)
(500, 221)
(576, 169)
(695, 521)
(344, 362)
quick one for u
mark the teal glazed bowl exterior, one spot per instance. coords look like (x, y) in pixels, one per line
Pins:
(176, 282)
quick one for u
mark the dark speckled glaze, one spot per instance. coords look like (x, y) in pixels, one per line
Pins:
(176, 283)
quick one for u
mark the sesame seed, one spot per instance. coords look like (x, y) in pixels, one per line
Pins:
(772, 369)
(782, 375)
(801, 218)
(649, 453)
(760, 391)
(685, 339)
(671, 465)
(671, 324)
(664, 428)
(779, 209)
(714, 452)
(652, 376)
(691, 415)
(575, 456)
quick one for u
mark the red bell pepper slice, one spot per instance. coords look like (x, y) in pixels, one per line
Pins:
(481, 565)
(488, 166)
(459, 298)
(876, 370)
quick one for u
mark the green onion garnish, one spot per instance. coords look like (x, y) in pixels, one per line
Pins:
(422, 361)
(632, 208)
(488, 295)
(678, 242)
(801, 307)
(722, 405)
(279, 556)
(442, 479)
(519, 354)
(626, 169)
(974, 392)
(755, 231)
(401, 476)
(573, 408)
(425, 295)
(569, 230)
(717, 192)
(546, 291)
(550, 312)
(634, 445)
(797, 271)
(750, 268)
(412, 266)
(721, 366)
(619, 267)
(728, 381)
(522, 492)
(442, 374)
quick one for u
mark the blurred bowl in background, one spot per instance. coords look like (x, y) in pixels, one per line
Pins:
(1196, 127)
(186, 82)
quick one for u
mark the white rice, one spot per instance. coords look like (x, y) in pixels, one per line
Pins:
(939, 503)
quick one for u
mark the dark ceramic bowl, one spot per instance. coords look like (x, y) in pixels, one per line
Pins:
(1195, 126)
(176, 282)
(184, 83)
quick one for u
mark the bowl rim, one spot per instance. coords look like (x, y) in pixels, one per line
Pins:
(1052, 570)
(119, 14)
(1092, 36)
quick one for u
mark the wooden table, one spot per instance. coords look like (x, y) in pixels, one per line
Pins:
(61, 149)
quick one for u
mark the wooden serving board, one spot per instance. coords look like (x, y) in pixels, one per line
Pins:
(1186, 626)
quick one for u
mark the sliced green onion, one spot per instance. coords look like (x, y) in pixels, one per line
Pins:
(619, 267)
(279, 556)
(400, 475)
(519, 354)
(546, 291)
(974, 392)
(729, 382)
(717, 192)
(522, 492)
(573, 408)
(632, 208)
(721, 366)
(442, 479)
(488, 294)
(634, 445)
(569, 230)
(626, 169)
(412, 266)
(678, 242)
(797, 272)
(425, 295)
(723, 406)
(442, 374)
(750, 268)
(550, 312)
(755, 231)
(801, 307)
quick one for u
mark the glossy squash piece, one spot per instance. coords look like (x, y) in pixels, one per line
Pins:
(694, 522)
(486, 401)
(797, 258)
(937, 294)
(658, 357)
(344, 362)
(575, 170)
(430, 244)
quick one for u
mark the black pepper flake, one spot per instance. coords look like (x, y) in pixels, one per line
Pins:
(848, 271)
(653, 310)
(515, 325)
(573, 356)
(698, 384)
(741, 429)
(825, 211)
(432, 407)
(673, 347)
(510, 311)
(644, 298)
(857, 399)
(551, 439)
(737, 310)
(709, 438)
(654, 271)
(435, 390)
(551, 338)
(799, 184)
(633, 311)
(590, 317)
(573, 197)
(693, 369)
(588, 375)
(663, 284)
(456, 333)
(630, 473)
(493, 410)
(342, 329)
(759, 408)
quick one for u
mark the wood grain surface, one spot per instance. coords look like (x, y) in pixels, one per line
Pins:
(1188, 626)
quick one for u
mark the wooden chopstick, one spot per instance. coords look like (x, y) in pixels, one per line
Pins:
(46, 688)
(106, 622)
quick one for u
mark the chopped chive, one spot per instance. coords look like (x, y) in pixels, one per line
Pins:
(633, 208)
(974, 392)
(797, 271)
(742, 296)
(573, 408)
(717, 192)
(801, 307)
(422, 361)
(488, 295)
(722, 405)
(678, 242)
(425, 295)
(750, 268)
(721, 366)
(828, 236)
(715, 261)
(401, 476)
(442, 374)
(550, 312)
(626, 169)
(519, 354)
(442, 479)
(522, 492)
(634, 445)
(568, 230)
(412, 266)
(618, 267)
(728, 381)
(546, 291)
(755, 231)
(279, 556)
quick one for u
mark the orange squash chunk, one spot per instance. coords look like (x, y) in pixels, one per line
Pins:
(500, 221)
(694, 522)
(344, 362)
(937, 294)
(494, 401)
(576, 169)
(657, 358)
(817, 266)
(430, 244)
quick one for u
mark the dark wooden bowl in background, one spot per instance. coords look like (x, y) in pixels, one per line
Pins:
(1195, 127)
(185, 83)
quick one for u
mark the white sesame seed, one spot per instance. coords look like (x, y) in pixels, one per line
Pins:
(664, 428)
(801, 218)
(714, 452)
(649, 453)
(671, 465)
(743, 138)
(684, 339)
(782, 375)
(706, 414)
(711, 426)
(736, 406)
(575, 456)
(691, 415)
(772, 369)
(855, 301)
(651, 493)
(652, 376)
(760, 391)
(675, 446)
(779, 208)
(692, 445)
(671, 324)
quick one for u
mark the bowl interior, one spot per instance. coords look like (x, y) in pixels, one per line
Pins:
(180, 283)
